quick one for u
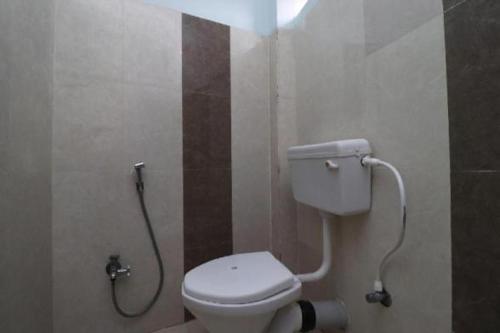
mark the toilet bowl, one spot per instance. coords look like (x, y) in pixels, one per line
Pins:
(239, 293)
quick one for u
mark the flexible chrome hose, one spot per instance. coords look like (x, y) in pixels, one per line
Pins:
(378, 285)
(149, 306)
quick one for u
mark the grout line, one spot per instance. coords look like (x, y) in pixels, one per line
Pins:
(368, 54)
(477, 171)
(455, 6)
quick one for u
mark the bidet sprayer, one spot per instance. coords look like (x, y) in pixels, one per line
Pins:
(380, 294)
(138, 169)
(115, 270)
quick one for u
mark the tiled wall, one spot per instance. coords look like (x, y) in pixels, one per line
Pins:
(353, 68)
(226, 143)
(26, 41)
(206, 92)
(117, 100)
(374, 69)
(250, 141)
(473, 50)
(137, 82)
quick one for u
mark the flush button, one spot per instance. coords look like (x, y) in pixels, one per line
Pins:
(330, 165)
(234, 268)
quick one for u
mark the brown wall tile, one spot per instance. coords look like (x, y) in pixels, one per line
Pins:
(476, 253)
(207, 131)
(206, 141)
(473, 53)
(206, 56)
(472, 50)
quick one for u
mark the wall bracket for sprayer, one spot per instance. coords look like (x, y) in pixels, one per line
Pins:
(382, 297)
(115, 269)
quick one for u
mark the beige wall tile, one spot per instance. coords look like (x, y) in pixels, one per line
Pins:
(117, 101)
(251, 141)
(26, 39)
(396, 98)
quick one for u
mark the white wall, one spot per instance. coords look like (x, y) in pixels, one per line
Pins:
(336, 81)
(253, 15)
(117, 100)
(259, 16)
(251, 141)
(26, 45)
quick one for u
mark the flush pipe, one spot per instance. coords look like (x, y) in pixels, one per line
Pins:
(327, 251)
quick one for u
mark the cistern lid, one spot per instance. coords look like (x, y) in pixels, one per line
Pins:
(343, 148)
(238, 279)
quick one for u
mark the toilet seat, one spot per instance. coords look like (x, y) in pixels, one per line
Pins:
(239, 279)
(268, 305)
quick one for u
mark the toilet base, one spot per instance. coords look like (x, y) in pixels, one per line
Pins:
(221, 324)
(241, 318)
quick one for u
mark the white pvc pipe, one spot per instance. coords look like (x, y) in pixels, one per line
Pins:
(327, 252)
(378, 284)
(330, 315)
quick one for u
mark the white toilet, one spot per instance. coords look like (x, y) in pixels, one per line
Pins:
(242, 293)
(239, 293)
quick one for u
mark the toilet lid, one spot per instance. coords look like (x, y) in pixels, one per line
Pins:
(238, 279)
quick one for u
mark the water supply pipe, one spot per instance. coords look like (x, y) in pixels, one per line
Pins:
(380, 294)
(327, 251)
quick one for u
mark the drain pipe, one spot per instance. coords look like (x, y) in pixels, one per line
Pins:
(306, 316)
(327, 251)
